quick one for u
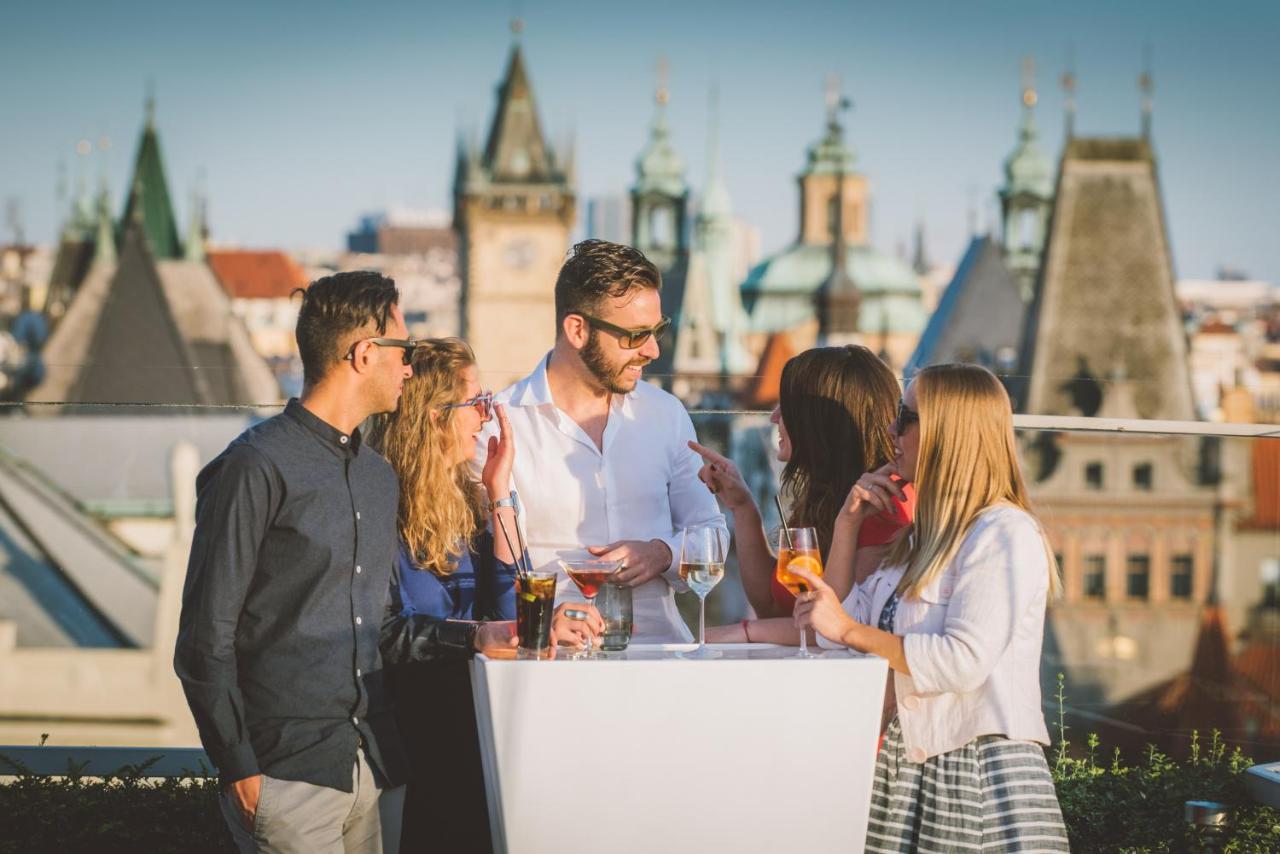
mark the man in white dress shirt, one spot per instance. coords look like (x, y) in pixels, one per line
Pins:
(602, 461)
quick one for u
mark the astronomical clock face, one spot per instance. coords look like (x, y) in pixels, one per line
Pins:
(518, 253)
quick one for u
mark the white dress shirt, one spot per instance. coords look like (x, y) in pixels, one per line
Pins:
(972, 640)
(642, 485)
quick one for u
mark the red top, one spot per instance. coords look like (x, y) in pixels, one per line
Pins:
(875, 531)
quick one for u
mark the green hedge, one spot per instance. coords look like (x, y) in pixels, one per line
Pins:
(1108, 806)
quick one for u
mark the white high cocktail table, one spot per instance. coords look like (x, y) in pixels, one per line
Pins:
(644, 752)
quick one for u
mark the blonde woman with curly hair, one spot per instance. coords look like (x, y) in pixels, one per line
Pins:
(962, 764)
(455, 565)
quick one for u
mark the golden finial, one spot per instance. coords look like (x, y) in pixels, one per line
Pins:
(663, 94)
(517, 26)
(1028, 82)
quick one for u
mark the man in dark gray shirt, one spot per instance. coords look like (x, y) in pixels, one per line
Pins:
(284, 607)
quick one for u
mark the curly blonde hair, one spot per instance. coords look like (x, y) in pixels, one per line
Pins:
(441, 507)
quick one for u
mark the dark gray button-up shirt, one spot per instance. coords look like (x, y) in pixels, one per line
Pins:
(278, 642)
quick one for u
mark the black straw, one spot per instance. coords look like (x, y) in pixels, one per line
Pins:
(503, 525)
(524, 549)
(786, 532)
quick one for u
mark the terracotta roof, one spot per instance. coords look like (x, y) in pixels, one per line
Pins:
(766, 385)
(1266, 485)
(257, 274)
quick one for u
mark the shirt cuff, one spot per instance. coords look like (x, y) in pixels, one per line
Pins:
(672, 572)
(237, 762)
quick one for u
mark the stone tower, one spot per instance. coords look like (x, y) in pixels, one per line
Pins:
(513, 210)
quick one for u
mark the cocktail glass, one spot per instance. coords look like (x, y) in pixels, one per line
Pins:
(590, 576)
(798, 547)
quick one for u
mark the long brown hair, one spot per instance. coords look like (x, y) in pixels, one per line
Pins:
(837, 404)
(967, 463)
(441, 507)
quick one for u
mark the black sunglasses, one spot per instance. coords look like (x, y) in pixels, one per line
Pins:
(629, 339)
(906, 417)
(407, 344)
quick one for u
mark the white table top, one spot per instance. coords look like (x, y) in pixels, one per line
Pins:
(755, 751)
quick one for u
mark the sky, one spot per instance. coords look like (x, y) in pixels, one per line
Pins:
(301, 116)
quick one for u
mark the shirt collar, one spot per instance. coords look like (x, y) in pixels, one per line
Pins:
(535, 389)
(342, 444)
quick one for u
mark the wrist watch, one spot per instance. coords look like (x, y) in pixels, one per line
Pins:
(510, 501)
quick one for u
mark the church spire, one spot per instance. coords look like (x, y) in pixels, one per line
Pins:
(1069, 92)
(1027, 193)
(516, 149)
(1147, 86)
(104, 245)
(149, 191)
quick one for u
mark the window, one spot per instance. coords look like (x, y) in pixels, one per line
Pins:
(1269, 574)
(1093, 475)
(1142, 476)
(1138, 581)
(1095, 577)
(662, 228)
(1180, 577)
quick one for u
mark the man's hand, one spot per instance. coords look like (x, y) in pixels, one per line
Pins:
(572, 632)
(496, 637)
(244, 795)
(641, 561)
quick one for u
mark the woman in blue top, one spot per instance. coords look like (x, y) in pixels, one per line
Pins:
(452, 566)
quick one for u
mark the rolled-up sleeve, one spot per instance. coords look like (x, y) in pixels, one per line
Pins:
(237, 497)
(691, 502)
(994, 580)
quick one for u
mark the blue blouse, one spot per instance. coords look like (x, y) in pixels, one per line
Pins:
(480, 588)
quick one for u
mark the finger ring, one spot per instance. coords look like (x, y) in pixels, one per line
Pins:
(574, 614)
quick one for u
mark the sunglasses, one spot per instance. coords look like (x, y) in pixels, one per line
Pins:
(629, 339)
(407, 344)
(483, 402)
(906, 417)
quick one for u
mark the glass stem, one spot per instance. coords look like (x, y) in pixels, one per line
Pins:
(702, 622)
(804, 642)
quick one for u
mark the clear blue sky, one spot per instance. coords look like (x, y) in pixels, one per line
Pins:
(305, 114)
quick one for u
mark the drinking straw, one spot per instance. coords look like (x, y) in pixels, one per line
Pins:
(524, 550)
(783, 519)
(520, 570)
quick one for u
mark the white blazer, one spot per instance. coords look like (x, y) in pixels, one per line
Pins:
(972, 640)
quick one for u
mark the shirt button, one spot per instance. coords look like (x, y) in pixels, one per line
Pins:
(357, 671)
(911, 702)
(916, 755)
(357, 515)
(355, 720)
(342, 440)
(359, 621)
(358, 569)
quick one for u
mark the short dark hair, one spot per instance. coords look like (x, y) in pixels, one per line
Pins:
(332, 309)
(598, 269)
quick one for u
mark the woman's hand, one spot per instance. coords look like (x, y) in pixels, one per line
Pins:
(819, 609)
(575, 632)
(722, 477)
(875, 492)
(496, 475)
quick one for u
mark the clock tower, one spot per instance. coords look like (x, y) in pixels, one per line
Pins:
(513, 210)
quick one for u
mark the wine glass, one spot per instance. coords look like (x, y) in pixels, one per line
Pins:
(701, 567)
(798, 547)
(590, 576)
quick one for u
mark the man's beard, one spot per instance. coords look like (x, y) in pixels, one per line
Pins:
(593, 357)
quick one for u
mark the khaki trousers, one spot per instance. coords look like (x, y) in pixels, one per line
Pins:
(301, 818)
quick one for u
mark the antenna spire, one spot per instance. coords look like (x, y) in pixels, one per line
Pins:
(1069, 90)
(1147, 86)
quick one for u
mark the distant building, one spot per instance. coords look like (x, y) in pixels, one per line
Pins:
(403, 232)
(514, 207)
(831, 285)
(139, 318)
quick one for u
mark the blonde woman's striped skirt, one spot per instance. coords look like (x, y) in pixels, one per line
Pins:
(993, 794)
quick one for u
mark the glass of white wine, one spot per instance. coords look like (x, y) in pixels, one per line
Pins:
(701, 567)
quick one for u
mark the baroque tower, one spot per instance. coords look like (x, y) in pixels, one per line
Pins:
(1027, 195)
(513, 209)
(659, 220)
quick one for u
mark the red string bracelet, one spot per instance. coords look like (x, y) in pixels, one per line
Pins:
(746, 634)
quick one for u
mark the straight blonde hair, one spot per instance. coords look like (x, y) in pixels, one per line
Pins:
(441, 507)
(966, 464)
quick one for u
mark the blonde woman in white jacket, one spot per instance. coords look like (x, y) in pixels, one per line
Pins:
(962, 766)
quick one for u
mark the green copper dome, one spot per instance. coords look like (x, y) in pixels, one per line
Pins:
(1027, 169)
